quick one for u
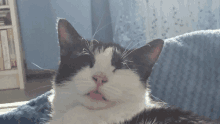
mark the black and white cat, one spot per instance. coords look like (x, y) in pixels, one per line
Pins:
(103, 83)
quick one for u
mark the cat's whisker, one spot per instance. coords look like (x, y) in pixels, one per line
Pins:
(124, 53)
(132, 48)
(129, 53)
(112, 90)
(127, 65)
(127, 61)
(98, 25)
(81, 84)
(40, 67)
(96, 40)
(134, 70)
(123, 56)
(161, 101)
(103, 27)
(127, 48)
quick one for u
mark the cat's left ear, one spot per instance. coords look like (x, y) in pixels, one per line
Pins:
(148, 54)
(153, 49)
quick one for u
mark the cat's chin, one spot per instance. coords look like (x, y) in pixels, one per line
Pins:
(93, 104)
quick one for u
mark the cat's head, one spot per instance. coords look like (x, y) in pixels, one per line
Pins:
(99, 74)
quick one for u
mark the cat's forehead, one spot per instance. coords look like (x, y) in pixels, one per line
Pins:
(102, 47)
(108, 52)
(107, 57)
(101, 51)
(103, 59)
(104, 54)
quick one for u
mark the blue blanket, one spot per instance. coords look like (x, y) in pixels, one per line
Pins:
(186, 75)
(36, 111)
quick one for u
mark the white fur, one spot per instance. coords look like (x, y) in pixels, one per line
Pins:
(123, 89)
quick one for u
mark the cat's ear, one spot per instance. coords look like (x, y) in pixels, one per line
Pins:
(153, 50)
(67, 35)
(149, 53)
(145, 57)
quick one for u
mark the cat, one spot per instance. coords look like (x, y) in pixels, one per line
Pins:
(104, 83)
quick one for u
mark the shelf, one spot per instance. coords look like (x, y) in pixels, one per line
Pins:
(14, 78)
(8, 72)
(5, 27)
(4, 7)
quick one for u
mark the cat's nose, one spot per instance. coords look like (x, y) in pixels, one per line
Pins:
(100, 78)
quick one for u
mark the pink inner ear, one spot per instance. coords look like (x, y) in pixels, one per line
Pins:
(63, 33)
(154, 54)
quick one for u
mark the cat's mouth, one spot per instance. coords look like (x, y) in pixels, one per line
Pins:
(96, 95)
(97, 101)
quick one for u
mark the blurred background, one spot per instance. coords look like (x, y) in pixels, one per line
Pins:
(120, 21)
(133, 22)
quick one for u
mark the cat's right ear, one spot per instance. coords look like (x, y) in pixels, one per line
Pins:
(67, 35)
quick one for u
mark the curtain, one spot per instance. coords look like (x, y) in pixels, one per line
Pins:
(101, 21)
(136, 22)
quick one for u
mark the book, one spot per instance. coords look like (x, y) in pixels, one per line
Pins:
(3, 15)
(7, 19)
(1, 2)
(1, 56)
(6, 2)
(5, 48)
(4, 11)
(11, 46)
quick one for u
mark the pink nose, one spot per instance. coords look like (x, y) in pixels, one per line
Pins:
(100, 78)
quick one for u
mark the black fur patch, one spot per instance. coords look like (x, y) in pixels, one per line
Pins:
(169, 115)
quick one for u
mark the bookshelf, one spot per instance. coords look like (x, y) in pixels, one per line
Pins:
(12, 71)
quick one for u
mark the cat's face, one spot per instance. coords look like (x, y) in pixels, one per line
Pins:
(100, 75)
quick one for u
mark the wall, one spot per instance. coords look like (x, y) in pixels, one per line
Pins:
(37, 22)
(39, 40)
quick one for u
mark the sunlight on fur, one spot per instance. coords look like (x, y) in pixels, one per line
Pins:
(121, 84)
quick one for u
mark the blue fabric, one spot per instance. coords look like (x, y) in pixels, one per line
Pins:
(186, 75)
(36, 111)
